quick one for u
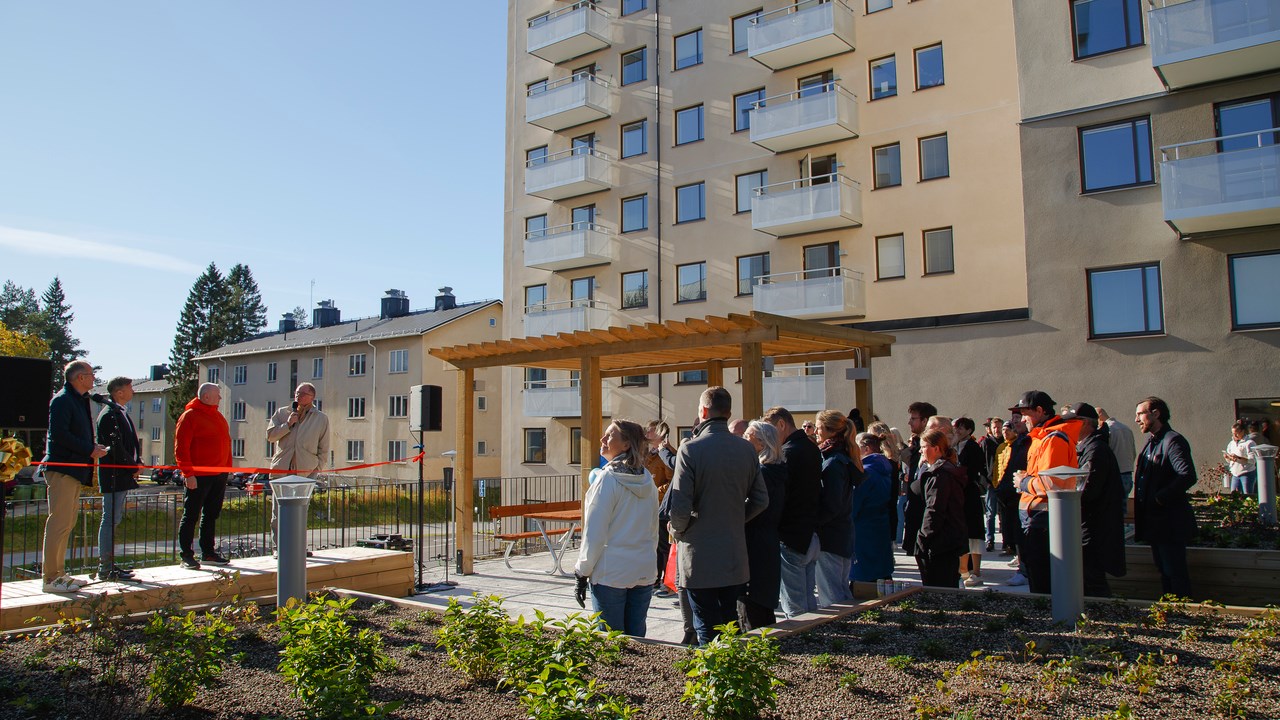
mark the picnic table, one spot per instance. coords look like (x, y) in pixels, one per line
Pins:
(557, 539)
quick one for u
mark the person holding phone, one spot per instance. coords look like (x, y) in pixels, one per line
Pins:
(301, 435)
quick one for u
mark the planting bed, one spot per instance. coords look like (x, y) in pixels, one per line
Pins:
(911, 659)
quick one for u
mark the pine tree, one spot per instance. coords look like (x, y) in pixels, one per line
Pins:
(19, 310)
(54, 327)
(246, 314)
(300, 318)
(201, 329)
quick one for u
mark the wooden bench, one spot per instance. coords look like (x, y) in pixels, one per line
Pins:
(497, 512)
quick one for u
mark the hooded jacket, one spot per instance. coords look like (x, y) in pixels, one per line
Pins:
(619, 529)
(201, 438)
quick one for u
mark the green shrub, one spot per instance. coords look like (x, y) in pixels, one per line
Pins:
(850, 681)
(529, 649)
(900, 662)
(472, 638)
(732, 676)
(188, 652)
(560, 692)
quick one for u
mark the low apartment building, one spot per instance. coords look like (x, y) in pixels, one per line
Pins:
(149, 411)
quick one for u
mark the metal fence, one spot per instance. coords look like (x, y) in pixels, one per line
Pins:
(339, 515)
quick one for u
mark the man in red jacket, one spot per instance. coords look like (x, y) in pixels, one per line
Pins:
(202, 446)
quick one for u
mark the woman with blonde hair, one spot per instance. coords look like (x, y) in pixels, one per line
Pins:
(841, 472)
(943, 535)
(891, 446)
(760, 597)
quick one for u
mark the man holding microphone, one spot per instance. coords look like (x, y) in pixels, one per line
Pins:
(301, 434)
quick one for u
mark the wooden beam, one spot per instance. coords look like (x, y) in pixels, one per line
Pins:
(807, 328)
(671, 341)
(715, 373)
(592, 414)
(752, 376)
(464, 412)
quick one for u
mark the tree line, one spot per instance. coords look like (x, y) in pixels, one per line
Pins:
(38, 327)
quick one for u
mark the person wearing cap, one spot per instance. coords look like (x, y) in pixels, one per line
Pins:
(1162, 511)
(1101, 513)
(1053, 444)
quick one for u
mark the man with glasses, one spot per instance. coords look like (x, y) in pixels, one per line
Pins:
(1162, 510)
(301, 434)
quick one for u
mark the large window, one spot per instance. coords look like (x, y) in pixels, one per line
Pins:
(635, 67)
(1125, 301)
(633, 6)
(691, 202)
(356, 364)
(398, 406)
(635, 289)
(355, 408)
(688, 49)
(746, 187)
(398, 361)
(750, 269)
(535, 378)
(239, 374)
(884, 77)
(635, 213)
(1102, 26)
(1116, 155)
(635, 138)
(929, 72)
(691, 377)
(888, 165)
(891, 261)
(691, 282)
(934, 160)
(355, 451)
(741, 29)
(535, 445)
(535, 227)
(939, 252)
(535, 156)
(1255, 294)
(1252, 115)
(689, 125)
(742, 106)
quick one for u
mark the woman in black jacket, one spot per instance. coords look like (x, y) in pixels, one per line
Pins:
(841, 472)
(943, 535)
(760, 596)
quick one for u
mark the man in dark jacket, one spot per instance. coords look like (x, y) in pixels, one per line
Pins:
(1101, 513)
(69, 440)
(798, 525)
(918, 414)
(1162, 511)
(116, 431)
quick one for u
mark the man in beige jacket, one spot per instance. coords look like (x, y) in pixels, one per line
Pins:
(301, 435)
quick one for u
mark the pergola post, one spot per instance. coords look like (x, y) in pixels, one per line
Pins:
(590, 388)
(463, 492)
(715, 373)
(862, 388)
(752, 376)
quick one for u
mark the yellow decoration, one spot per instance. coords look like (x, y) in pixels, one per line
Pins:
(13, 457)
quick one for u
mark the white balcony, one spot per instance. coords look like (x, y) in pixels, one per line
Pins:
(564, 317)
(795, 392)
(812, 294)
(568, 174)
(558, 399)
(804, 118)
(801, 33)
(571, 101)
(1239, 188)
(565, 247)
(569, 32)
(1200, 41)
(826, 202)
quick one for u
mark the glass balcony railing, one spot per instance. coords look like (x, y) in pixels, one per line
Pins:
(801, 32)
(1233, 183)
(557, 398)
(1200, 41)
(812, 116)
(812, 294)
(795, 391)
(567, 174)
(571, 101)
(824, 202)
(564, 247)
(564, 317)
(570, 32)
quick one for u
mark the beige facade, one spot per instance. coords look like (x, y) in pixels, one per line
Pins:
(363, 371)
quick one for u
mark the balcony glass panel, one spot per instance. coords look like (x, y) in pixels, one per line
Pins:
(796, 392)
(830, 292)
(569, 32)
(801, 33)
(564, 317)
(1206, 40)
(567, 174)
(807, 205)
(797, 120)
(1221, 190)
(564, 247)
(558, 399)
(572, 101)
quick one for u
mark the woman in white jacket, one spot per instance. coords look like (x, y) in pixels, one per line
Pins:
(620, 532)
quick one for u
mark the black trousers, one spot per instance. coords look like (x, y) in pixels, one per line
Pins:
(754, 615)
(1035, 559)
(1095, 578)
(938, 569)
(1010, 525)
(1171, 561)
(664, 545)
(202, 505)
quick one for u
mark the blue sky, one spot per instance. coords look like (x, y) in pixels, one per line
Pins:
(356, 144)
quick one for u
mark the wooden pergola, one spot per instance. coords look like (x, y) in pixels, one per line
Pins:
(711, 343)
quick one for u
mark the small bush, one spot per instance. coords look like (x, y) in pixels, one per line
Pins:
(850, 681)
(900, 662)
(823, 661)
(732, 676)
(561, 693)
(472, 637)
(188, 651)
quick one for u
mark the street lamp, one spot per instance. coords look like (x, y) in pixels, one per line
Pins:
(292, 493)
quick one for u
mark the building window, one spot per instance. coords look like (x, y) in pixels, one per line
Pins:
(239, 374)
(536, 87)
(238, 410)
(271, 372)
(1116, 155)
(635, 138)
(157, 405)
(634, 66)
(635, 381)
(319, 404)
(214, 374)
(355, 451)
(934, 162)
(237, 447)
(691, 282)
(750, 269)
(688, 49)
(939, 255)
(741, 30)
(398, 406)
(1125, 301)
(1102, 26)
(746, 188)
(929, 71)
(633, 6)
(356, 364)
(398, 361)
(878, 5)
(535, 378)
(1255, 295)
(482, 448)
(155, 435)
(317, 367)
(535, 156)
(271, 408)
(691, 202)
(689, 125)
(575, 446)
(535, 227)
(535, 298)
(635, 213)
(691, 377)
(891, 260)
(482, 403)
(396, 450)
(743, 105)
(884, 77)
(269, 452)
(535, 445)
(888, 165)
(355, 408)
(1247, 119)
(635, 289)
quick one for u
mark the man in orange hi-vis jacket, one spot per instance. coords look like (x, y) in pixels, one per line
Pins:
(1053, 444)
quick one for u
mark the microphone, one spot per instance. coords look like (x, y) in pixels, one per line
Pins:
(295, 405)
(102, 399)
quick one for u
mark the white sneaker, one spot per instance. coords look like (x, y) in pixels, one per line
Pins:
(973, 581)
(1017, 579)
(63, 584)
(1015, 563)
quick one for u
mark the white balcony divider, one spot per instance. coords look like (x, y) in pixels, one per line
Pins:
(568, 173)
(807, 205)
(569, 101)
(1239, 188)
(802, 118)
(1202, 40)
(558, 398)
(829, 292)
(563, 247)
(805, 393)
(801, 32)
(569, 32)
(564, 317)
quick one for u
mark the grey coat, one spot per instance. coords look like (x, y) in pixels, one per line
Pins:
(717, 488)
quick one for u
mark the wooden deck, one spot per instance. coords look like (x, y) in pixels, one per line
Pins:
(383, 572)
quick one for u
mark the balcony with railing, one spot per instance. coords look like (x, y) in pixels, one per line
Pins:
(1236, 185)
(570, 32)
(558, 398)
(567, 102)
(799, 33)
(812, 294)
(824, 202)
(568, 173)
(564, 317)
(795, 391)
(564, 247)
(812, 116)
(1200, 41)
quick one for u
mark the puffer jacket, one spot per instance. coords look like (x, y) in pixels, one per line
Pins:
(201, 439)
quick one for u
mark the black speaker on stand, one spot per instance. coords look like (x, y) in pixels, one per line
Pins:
(426, 415)
(24, 392)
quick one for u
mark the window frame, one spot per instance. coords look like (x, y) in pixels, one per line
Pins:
(1075, 37)
(403, 355)
(871, 65)
(155, 433)
(702, 282)
(875, 171)
(1089, 273)
(575, 446)
(699, 56)
(272, 370)
(751, 280)
(622, 289)
(702, 202)
(638, 5)
(397, 450)
(737, 189)
(529, 458)
(643, 198)
(633, 381)
(902, 247)
(738, 114)
(239, 374)
(239, 411)
(545, 296)
(397, 406)
(868, 11)
(237, 448)
(357, 361)
(356, 403)
(317, 367)
(700, 380)
(924, 246)
(355, 451)
(915, 56)
(1133, 122)
(920, 156)
(1236, 326)
(643, 126)
(733, 30)
(644, 66)
(701, 115)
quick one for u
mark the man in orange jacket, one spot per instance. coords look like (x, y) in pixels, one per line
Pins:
(202, 446)
(1053, 444)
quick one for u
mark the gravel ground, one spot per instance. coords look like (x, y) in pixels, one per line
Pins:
(937, 631)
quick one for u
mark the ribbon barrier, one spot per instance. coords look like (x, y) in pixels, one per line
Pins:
(216, 470)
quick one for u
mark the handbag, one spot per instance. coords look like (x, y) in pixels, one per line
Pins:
(669, 577)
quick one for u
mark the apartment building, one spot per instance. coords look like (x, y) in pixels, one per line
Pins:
(363, 370)
(845, 163)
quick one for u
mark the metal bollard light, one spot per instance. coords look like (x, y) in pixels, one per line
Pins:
(293, 493)
(1066, 549)
(1266, 455)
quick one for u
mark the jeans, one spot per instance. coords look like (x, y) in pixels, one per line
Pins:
(799, 579)
(622, 609)
(202, 505)
(902, 518)
(1247, 483)
(712, 607)
(833, 579)
(1171, 560)
(992, 512)
(64, 508)
(112, 514)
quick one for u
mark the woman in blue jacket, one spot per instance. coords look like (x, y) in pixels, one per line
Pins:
(872, 498)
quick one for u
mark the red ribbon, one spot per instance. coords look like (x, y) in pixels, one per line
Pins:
(217, 470)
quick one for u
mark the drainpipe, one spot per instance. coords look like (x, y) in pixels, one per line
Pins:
(657, 144)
